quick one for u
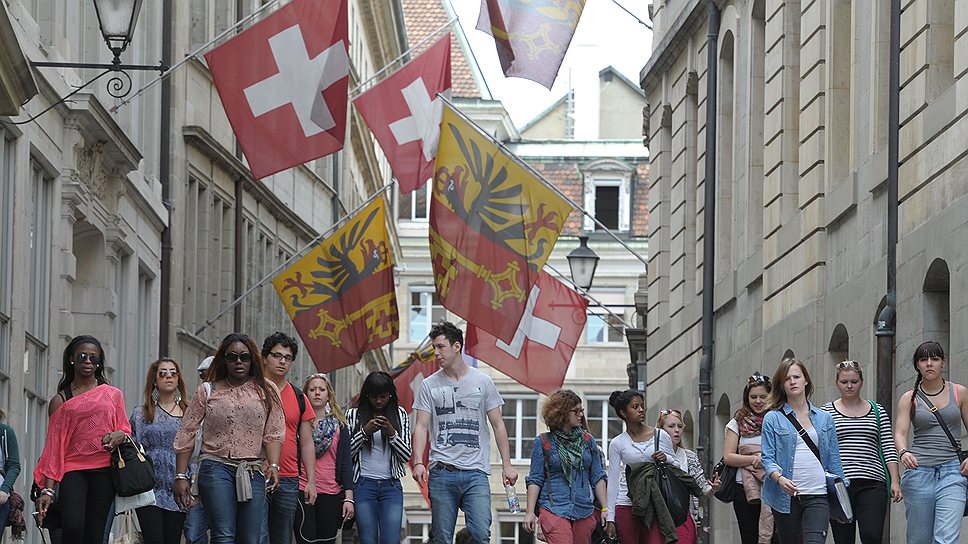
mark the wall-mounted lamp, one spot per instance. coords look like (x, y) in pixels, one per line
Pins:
(583, 262)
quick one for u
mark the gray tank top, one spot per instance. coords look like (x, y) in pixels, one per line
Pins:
(931, 445)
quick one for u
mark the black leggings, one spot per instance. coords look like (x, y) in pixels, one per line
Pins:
(85, 501)
(748, 519)
(159, 526)
(320, 522)
(868, 499)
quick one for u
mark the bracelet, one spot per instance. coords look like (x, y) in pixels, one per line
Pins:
(47, 491)
(182, 476)
(604, 509)
(273, 466)
(349, 501)
(902, 452)
(415, 465)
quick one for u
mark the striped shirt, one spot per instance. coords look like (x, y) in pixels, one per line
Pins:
(858, 438)
(399, 444)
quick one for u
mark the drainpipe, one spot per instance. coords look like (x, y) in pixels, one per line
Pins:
(164, 175)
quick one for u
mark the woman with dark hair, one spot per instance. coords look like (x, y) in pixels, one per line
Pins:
(797, 462)
(566, 474)
(742, 449)
(153, 425)
(635, 445)
(381, 450)
(320, 520)
(934, 479)
(87, 421)
(243, 415)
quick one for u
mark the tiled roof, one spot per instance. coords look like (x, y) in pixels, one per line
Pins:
(422, 17)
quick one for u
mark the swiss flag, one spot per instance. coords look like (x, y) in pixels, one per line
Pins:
(404, 112)
(540, 352)
(283, 84)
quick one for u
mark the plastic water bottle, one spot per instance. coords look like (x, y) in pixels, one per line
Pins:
(514, 505)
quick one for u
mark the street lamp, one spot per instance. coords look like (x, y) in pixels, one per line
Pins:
(583, 262)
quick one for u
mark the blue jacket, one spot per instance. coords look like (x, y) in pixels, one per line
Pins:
(575, 502)
(779, 442)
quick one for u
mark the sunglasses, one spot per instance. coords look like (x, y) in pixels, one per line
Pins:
(232, 356)
(281, 356)
(84, 357)
(320, 375)
(759, 378)
(848, 365)
(166, 372)
(667, 412)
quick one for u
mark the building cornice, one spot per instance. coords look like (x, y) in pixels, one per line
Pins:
(683, 29)
(17, 84)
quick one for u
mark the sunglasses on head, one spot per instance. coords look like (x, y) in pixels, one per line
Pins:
(848, 365)
(759, 378)
(667, 412)
(232, 356)
(319, 375)
(84, 357)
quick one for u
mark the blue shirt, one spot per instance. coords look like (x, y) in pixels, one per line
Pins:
(780, 446)
(570, 502)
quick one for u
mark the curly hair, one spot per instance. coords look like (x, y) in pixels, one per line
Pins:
(448, 330)
(555, 409)
(281, 339)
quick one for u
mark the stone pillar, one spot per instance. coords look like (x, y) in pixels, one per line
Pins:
(636, 336)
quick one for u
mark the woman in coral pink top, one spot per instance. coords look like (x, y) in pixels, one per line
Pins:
(87, 421)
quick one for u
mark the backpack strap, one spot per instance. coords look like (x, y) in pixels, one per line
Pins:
(301, 402)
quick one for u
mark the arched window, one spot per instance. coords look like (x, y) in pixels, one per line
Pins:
(936, 301)
(839, 347)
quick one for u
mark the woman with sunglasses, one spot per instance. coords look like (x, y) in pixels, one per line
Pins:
(860, 425)
(671, 422)
(742, 448)
(566, 474)
(381, 450)
(153, 425)
(87, 421)
(321, 520)
(243, 415)
(934, 478)
(796, 486)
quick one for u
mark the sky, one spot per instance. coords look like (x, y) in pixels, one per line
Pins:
(606, 35)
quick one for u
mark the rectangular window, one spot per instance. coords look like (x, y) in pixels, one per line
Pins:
(145, 313)
(512, 532)
(601, 421)
(121, 340)
(418, 526)
(39, 238)
(521, 419)
(6, 247)
(604, 327)
(606, 206)
(425, 310)
(608, 199)
(415, 205)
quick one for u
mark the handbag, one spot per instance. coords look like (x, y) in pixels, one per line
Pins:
(962, 455)
(52, 520)
(599, 536)
(127, 529)
(132, 471)
(673, 491)
(728, 488)
(841, 510)
(123, 504)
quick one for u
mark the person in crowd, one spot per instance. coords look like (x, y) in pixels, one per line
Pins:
(278, 352)
(861, 424)
(87, 421)
(796, 488)
(635, 445)
(456, 404)
(934, 480)
(242, 414)
(153, 426)
(671, 422)
(742, 449)
(566, 474)
(381, 450)
(331, 479)
(10, 462)
(196, 526)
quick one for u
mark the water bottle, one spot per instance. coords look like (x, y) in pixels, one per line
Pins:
(514, 505)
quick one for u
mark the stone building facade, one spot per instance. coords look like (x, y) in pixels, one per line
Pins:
(801, 195)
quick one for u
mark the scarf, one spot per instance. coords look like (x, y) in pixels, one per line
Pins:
(751, 425)
(571, 446)
(323, 434)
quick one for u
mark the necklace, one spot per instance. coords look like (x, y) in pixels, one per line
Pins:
(232, 383)
(933, 394)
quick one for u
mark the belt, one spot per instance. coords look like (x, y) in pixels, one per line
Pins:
(450, 468)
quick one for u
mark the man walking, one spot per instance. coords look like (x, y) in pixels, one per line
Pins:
(456, 403)
(298, 452)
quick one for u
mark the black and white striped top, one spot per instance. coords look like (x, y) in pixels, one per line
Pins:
(399, 445)
(857, 438)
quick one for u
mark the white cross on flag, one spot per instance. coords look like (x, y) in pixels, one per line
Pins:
(404, 112)
(540, 352)
(283, 83)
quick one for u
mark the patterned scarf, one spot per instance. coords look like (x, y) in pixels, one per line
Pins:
(751, 425)
(571, 446)
(323, 434)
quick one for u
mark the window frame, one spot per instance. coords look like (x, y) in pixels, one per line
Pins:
(409, 199)
(519, 453)
(607, 416)
(608, 173)
(431, 292)
(610, 298)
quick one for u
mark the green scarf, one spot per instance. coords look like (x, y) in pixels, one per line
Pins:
(571, 446)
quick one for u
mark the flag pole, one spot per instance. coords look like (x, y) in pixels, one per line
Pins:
(390, 64)
(587, 295)
(538, 175)
(287, 262)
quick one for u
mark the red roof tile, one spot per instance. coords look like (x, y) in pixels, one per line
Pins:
(422, 17)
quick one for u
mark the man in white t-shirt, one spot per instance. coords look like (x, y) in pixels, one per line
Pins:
(455, 404)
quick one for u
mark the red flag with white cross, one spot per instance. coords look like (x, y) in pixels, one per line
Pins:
(404, 112)
(283, 83)
(539, 354)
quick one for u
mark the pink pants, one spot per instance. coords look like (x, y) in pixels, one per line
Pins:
(687, 531)
(565, 531)
(631, 530)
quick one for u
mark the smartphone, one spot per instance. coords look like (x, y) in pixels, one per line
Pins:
(719, 467)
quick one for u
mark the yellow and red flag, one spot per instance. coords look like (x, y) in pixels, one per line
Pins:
(340, 296)
(492, 227)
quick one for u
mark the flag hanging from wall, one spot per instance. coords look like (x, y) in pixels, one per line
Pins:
(531, 36)
(341, 296)
(403, 111)
(493, 225)
(283, 83)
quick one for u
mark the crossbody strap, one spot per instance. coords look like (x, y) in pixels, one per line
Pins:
(806, 437)
(934, 410)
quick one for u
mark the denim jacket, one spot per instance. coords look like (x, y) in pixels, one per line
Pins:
(780, 446)
(574, 502)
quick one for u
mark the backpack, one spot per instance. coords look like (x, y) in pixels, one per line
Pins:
(546, 446)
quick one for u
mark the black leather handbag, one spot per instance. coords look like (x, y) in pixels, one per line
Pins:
(132, 471)
(728, 488)
(674, 492)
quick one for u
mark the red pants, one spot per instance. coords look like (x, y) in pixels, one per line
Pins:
(565, 531)
(631, 530)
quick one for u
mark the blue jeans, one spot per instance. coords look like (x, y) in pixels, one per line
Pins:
(379, 510)
(934, 501)
(282, 511)
(196, 525)
(231, 521)
(466, 489)
(4, 514)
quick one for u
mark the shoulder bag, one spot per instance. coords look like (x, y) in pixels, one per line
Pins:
(962, 455)
(673, 491)
(841, 510)
(728, 488)
(132, 471)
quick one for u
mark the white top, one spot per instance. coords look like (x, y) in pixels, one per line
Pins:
(375, 460)
(623, 451)
(808, 474)
(743, 440)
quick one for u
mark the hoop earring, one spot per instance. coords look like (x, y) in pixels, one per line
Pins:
(154, 394)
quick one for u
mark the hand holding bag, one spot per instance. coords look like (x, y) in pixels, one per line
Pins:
(673, 491)
(962, 455)
(841, 510)
(132, 471)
